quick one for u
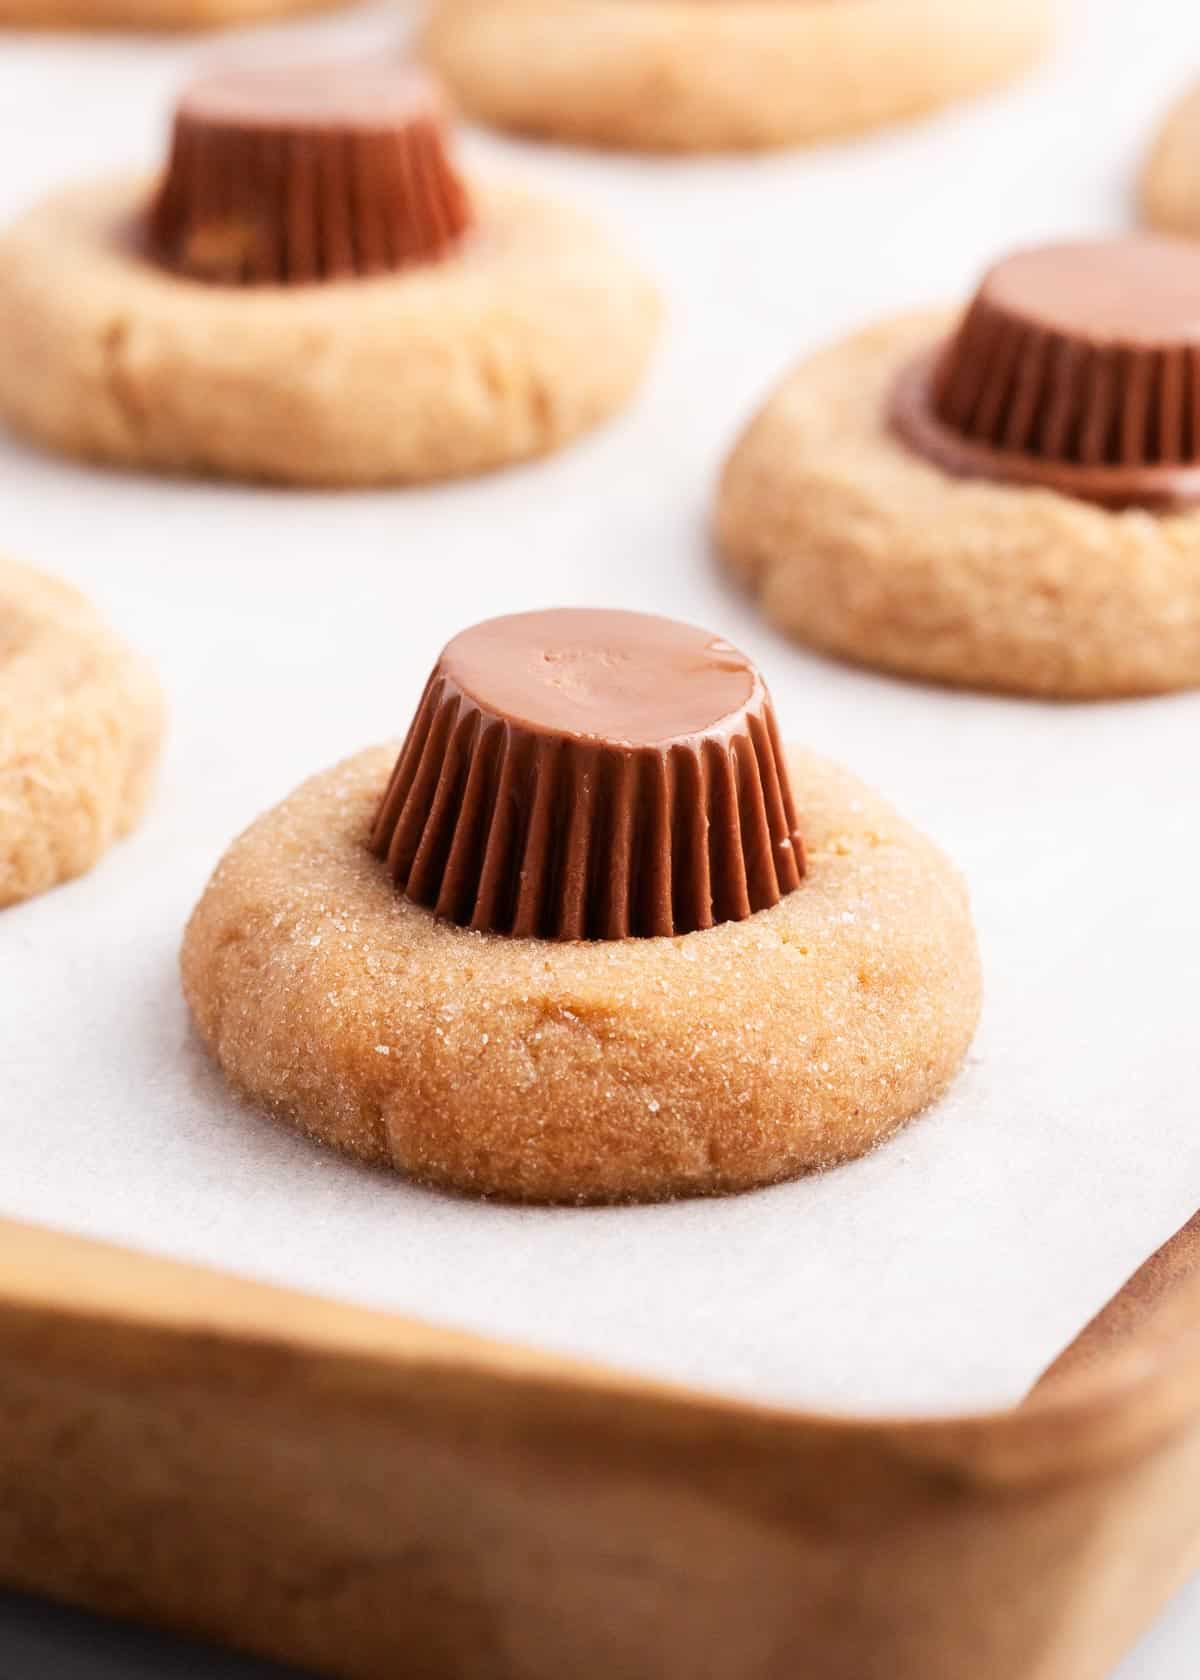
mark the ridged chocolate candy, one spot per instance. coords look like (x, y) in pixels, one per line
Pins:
(1077, 368)
(581, 774)
(308, 173)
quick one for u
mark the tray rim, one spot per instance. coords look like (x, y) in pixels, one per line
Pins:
(1117, 1408)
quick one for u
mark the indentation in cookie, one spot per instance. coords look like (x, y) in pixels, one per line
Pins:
(591, 775)
(308, 173)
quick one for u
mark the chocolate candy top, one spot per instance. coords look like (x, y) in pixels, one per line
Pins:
(579, 774)
(1138, 291)
(306, 172)
(363, 97)
(622, 678)
(1076, 368)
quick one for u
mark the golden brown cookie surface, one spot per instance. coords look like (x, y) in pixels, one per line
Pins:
(708, 75)
(710, 1062)
(1170, 185)
(861, 547)
(539, 329)
(81, 719)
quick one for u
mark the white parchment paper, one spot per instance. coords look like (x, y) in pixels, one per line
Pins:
(293, 629)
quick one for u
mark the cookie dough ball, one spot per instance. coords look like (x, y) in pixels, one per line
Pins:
(1170, 185)
(711, 75)
(312, 295)
(148, 14)
(81, 721)
(983, 554)
(526, 1068)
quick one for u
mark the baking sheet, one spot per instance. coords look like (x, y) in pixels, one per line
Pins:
(292, 629)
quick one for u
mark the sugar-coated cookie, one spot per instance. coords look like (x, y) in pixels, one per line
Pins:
(542, 330)
(709, 75)
(370, 322)
(81, 720)
(441, 970)
(937, 512)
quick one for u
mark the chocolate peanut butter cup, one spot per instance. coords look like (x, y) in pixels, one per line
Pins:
(579, 774)
(307, 173)
(1076, 368)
